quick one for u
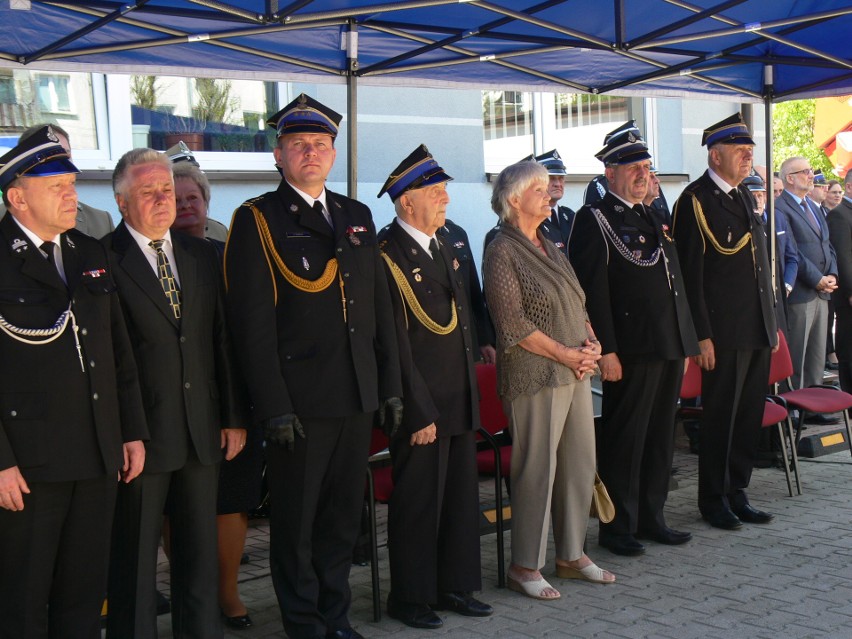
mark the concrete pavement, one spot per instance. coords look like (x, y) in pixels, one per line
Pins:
(790, 578)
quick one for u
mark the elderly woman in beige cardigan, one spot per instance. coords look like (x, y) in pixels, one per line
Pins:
(546, 352)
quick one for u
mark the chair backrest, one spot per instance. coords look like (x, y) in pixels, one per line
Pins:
(378, 441)
(690, 388)
(491, 415)
(781, 365)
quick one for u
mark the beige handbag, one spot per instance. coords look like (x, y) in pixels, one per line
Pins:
(602, 506)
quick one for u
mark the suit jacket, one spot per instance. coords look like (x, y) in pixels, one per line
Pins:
(185, 365)
(636, 311)
(815, 254)
(62, 418)
(438, 375)
(455, 236)
(329, 353)
(840, 232)
(730, 291)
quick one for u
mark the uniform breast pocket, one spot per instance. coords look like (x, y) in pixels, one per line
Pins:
(296, 350)
(23, 417)
(99, 286)
(22, 296)
(306, 256)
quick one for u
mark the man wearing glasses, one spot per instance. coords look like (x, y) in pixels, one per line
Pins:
(816, 279)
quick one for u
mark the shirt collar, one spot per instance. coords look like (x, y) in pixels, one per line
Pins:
(144, 242)
(722, 184)
(35, 239)
(310, 199)
(418, 236)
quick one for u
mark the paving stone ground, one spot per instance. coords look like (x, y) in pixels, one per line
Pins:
(791, 578)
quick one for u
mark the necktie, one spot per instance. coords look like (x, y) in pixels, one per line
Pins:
(167, 278)
(554, 216)
(319, 208)
(810, 215)
(48, 247)
(436, 255)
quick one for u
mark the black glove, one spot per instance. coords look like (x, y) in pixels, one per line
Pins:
(389, 423)
(279, 430)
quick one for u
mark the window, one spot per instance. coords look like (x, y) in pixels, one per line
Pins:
(206, 114)
(506, 114)
(582, 109)
(54, 94)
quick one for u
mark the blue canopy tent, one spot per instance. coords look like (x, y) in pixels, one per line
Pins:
(748, 50)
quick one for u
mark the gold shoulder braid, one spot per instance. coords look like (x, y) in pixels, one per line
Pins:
(706, 232)
(306, 286)
(410, 298)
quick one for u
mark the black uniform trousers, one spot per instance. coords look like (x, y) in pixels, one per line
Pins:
(733, 397)
(433, 518)
(636, 442)
(316, 492)
(188, 496)
(60, 536)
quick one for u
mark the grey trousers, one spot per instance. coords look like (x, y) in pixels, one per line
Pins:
(808, 325)
(553, 470)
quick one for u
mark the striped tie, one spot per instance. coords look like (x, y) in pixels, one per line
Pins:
(167, 278)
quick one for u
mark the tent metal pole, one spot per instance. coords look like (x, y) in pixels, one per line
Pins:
(352, 110)
(768, 84)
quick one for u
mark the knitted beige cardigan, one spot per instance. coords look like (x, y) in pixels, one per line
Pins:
(528, 291)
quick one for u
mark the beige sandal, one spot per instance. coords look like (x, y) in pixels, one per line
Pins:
(531, 588)
(589, 573)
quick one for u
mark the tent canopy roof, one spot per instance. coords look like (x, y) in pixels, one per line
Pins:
(710, 48)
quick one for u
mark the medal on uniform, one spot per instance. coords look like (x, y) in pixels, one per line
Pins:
(455, 264)
(637, 254)
(641, 239)
(666, 235)
(458, 244)
(618, 208)
(305, 264)
(294, 208)
(417, 276)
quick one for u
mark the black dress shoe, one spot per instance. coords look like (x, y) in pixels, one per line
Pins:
(665, 535)
(413, 614)
(240, 622)
(345, 633)
(463, 603)
(621, 544)
(752, 515)
(821, 420)
(724, 519)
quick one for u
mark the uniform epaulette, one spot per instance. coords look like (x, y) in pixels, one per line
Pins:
(382, 244)
(251, 201)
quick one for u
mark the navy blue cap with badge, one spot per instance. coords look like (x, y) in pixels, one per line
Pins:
(419, 169)
(180, 152)
(305, 115)
(624, 145)
(731, 130)
(552, 162)
(754, 183)
(819, 179)
(40, 155)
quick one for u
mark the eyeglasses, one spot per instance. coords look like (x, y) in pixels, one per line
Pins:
(808, 171)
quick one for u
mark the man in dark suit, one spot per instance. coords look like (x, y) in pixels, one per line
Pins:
(840, 228)
(816, 278)
(728, 281)
(172, 294)
(433, 531)
(628, 266)
(71, 407)
(318, 350)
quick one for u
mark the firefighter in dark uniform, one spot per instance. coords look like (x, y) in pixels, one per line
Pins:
(598, 186)
(313, 326)
(627, 263)
(561, 217)
(433, 530)
(729, 285)
(71, 414)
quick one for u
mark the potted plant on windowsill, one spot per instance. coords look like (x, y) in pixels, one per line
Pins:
(189, 130)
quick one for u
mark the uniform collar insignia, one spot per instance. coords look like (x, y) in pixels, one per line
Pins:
(70, 243)
(19, 245)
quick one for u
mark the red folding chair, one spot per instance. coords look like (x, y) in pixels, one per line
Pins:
(379, 489)
(815, 400)
(496, 458)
